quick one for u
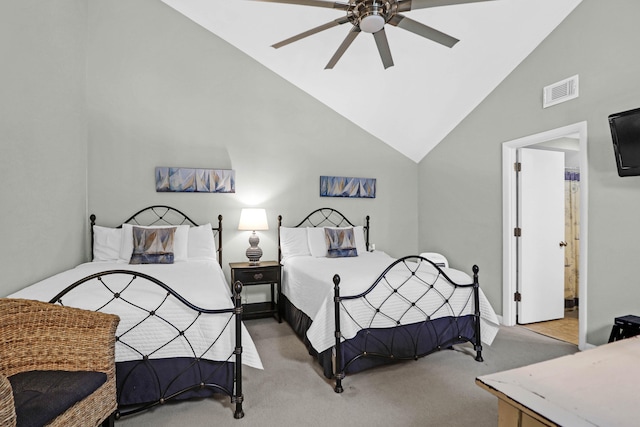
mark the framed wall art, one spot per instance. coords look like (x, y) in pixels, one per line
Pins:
(192, 180)
(340, 186)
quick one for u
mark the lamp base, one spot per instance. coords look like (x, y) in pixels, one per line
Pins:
(254, 253)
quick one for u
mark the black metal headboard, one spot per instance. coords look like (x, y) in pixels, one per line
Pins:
(324, 217)
(165, 215)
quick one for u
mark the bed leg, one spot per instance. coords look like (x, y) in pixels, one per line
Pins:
(476, 294)
(238, 397)
(338, 388)
(238, 413)
(339, 375)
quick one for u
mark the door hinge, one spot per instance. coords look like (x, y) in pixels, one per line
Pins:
(517, 232)
(517, 297)
(517, 166)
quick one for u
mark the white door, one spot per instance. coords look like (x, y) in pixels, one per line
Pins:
(541, 223)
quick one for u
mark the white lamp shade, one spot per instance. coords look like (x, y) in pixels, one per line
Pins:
(253, 219)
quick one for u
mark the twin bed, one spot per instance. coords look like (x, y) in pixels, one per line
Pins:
(356, 309)
(181, 334)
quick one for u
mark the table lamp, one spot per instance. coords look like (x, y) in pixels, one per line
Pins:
(253, 219)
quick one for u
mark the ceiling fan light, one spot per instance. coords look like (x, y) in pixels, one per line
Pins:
(372, 23)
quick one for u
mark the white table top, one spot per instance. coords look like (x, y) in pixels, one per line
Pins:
(597, 387)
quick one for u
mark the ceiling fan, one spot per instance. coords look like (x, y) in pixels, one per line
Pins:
(371, 16)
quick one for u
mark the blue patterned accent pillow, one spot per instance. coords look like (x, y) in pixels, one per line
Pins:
(341, 242)
(152, 245)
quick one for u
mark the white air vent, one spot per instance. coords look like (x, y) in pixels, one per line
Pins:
(560, 92)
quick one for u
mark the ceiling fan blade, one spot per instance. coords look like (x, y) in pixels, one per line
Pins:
(310, 32)
(407, 5)
(343, 47)
(425, 31)
(315, 3)
(383, 48)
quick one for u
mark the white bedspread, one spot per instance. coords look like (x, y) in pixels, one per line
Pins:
(308, 284)
(200, 282)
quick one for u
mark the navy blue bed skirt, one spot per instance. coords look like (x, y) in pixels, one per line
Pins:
(149, 381)
(404, 343)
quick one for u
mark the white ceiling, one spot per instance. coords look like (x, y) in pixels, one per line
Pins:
(413, 105)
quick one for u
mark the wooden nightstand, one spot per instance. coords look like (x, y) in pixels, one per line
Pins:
(266, 273)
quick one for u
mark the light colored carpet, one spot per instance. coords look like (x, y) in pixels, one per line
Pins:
(437, 390)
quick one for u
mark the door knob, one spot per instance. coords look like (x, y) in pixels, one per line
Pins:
(563, 243)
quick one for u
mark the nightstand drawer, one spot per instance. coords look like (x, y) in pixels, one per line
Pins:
(262, 275)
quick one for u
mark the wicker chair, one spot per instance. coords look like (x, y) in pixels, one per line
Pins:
(37, 336)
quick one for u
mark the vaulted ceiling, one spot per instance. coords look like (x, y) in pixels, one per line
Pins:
(412, 105)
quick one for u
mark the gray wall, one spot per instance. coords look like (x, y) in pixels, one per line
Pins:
(162, 91)
(43, 139)
(599, 41)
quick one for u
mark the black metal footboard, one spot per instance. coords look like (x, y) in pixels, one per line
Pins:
(411, 310)
(152, 374)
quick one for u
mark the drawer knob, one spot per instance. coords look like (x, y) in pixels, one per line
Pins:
(257, 276)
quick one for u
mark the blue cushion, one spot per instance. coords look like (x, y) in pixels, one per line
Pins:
(41, 396)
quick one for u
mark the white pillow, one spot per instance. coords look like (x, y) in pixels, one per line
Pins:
(293, 242)
(317, 242)
(202, 244)
(106, 243)
(436, 258)
(361, 243)
(180, 241)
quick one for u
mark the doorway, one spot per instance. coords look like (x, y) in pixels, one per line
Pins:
(545, 140)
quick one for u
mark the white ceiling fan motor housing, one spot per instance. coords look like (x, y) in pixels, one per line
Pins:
(372, 23)
(371, 15)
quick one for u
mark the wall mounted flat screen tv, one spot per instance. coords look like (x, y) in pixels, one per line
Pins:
(625, 131)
